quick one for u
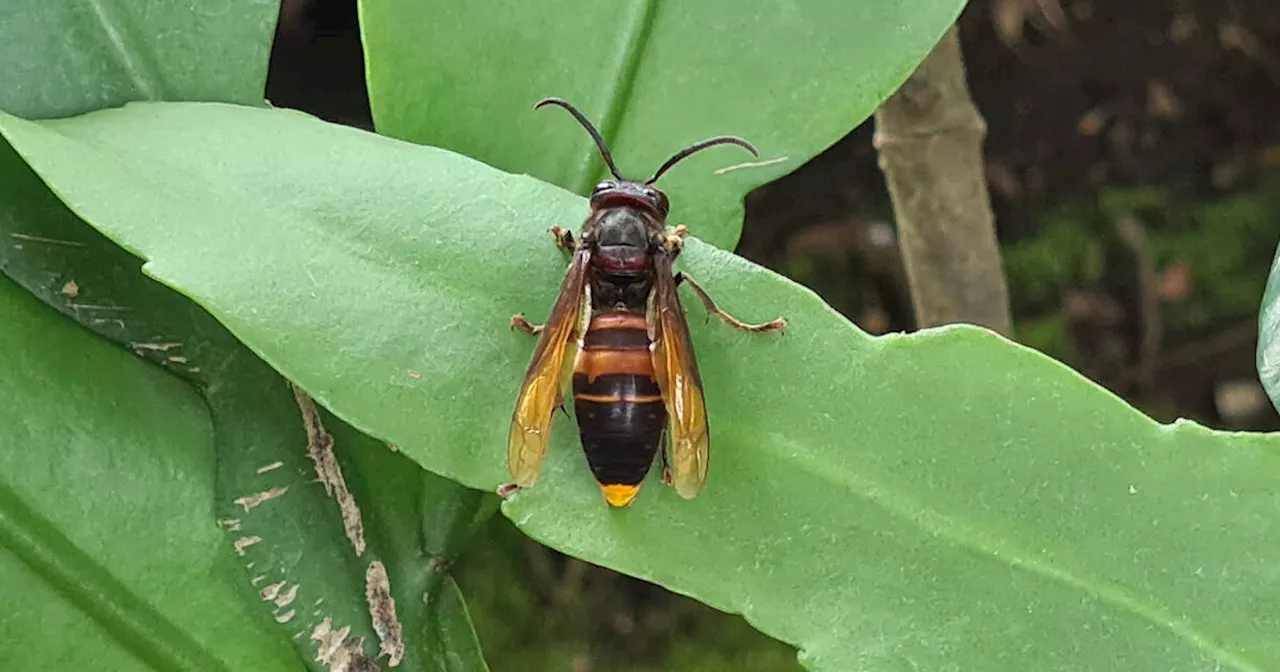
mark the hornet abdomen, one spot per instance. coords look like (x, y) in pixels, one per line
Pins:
(621, 416)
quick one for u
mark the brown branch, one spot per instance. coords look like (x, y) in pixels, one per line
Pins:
(929, 136)
(1134, 235)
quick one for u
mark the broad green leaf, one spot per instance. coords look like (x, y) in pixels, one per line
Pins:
(791, 77)
(64, 58)
(942, 500)
(109, 555)
(297, 563)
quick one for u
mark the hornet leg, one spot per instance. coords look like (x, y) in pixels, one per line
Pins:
(518, 321)
(674, 242)
(564, 241)
(564, 238)
(663, 447)
(712, 308)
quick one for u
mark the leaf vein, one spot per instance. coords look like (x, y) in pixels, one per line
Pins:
(141, 72)
(70, 572)
(618, 94)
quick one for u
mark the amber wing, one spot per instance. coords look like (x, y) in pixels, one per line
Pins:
(677, 372)
(544, 381)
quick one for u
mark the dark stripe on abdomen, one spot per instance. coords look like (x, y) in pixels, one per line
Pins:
(631, 386)
(616, 339)
(621, 419)
(617, 331)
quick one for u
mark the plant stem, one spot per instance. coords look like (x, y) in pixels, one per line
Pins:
(929, 137)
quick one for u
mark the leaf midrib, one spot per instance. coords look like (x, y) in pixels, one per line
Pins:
(68, 571)
(635, 38)
(139, 70)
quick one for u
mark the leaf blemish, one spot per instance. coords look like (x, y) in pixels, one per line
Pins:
(162, 347)
(269, 467)
(750, 164)
(269, 592)
(320, 449)
(95, 306)
(339, 653)
(250, 501)
(71, 289)
(42, 239)
(245, 542)
(382, 609)
(229, 524)
(286, 598)
(437, 564)
(286, 616)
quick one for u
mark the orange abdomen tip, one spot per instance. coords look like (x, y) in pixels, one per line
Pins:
(619, 495)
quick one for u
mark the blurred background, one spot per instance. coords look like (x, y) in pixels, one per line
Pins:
(1133, 159)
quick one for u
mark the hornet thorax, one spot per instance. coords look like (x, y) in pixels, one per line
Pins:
(622, 240)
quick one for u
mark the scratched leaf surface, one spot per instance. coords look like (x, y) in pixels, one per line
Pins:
(791, 77)
(946, 500)
(64, 58)
(293, 564)
(109, 556)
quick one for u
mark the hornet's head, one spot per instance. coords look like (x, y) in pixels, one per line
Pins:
(612, 193)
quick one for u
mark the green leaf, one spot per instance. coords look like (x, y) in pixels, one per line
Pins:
(297, 563)
(73, 57)
(945, 499)
(132, 50)
(112, 560)
(792, 78)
